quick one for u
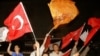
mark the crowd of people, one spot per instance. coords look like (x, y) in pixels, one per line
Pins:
(43, 51)
(38, 51)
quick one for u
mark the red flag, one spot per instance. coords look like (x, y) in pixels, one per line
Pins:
(72, 35)
(47, 42)
(94, 22)
(90, 35)
(67, 53)
(17, 23)
(78, 33)
(66, 40)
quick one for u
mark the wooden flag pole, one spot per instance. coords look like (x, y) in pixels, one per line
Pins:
(34, 36)
(28, 22)
(50, 30)
(81, 49)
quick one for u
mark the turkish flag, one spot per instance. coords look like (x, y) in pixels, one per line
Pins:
(17, 23)
(90, 35)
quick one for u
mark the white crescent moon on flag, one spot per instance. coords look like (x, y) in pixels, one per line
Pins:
(20, 20)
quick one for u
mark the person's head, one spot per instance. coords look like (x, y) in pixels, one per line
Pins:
(17, 48)
(45, 54)
(55, 47)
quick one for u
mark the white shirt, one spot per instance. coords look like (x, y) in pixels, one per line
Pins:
(41, 51)
(33, 53)
(55, 54)
(1, 55)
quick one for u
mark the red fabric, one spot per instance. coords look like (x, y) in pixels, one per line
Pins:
(90, 35)
(78, 33)
(66, 40)
(72, 35)
(17, 23)
(94, 22)
(67, 53)
(48, 41)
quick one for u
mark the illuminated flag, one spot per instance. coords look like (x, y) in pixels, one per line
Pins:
(62, 11)
(17, 23)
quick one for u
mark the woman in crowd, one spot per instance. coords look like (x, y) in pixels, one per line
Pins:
(16, 49)
(38, 51)
(45, 54)
(56, 51)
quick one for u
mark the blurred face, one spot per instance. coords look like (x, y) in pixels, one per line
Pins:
(45, 54)
(16, 48)
(56, 48)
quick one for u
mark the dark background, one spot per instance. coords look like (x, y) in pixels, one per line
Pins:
(41, 21)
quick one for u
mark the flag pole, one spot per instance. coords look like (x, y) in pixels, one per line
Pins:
(28, 22)
(81, 49)
(50, 30)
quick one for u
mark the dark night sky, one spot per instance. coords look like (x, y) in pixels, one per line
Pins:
(40, 17)
(41, 20)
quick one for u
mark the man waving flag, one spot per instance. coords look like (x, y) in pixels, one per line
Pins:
(17, 23)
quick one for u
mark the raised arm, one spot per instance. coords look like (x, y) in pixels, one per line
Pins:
(42, 48)
(37, 50)
(8, 49)
(45, 39)
(74, 49)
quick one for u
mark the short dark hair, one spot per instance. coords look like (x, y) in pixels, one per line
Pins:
(55, 44)
(45, 53)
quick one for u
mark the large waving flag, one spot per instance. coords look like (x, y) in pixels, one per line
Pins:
(3, 34)
(62, 11)
(17, 23)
